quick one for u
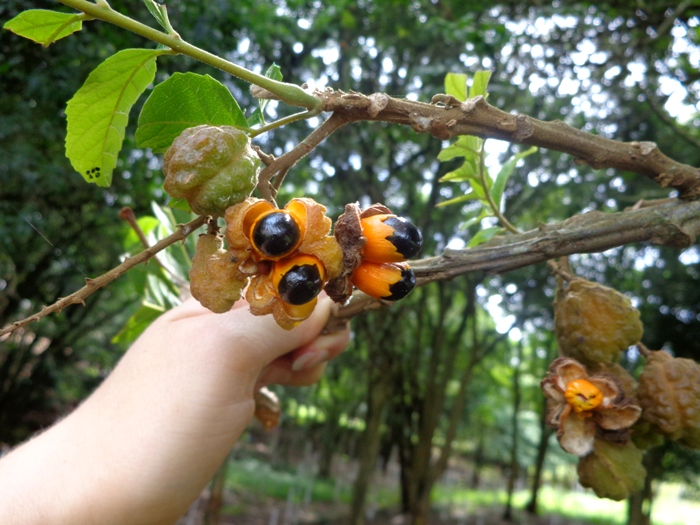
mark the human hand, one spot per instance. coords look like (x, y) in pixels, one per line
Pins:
(142, 447)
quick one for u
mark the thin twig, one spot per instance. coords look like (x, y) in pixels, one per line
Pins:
(127, 214)
(495, 206)
(279, 167)
(92, 285)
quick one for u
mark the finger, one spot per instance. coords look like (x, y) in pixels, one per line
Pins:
(281, 373)
(257, 340)
(320, 350)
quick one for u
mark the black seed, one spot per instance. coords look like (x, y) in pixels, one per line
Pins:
(300, 284)
(403, 286)
(276, 234)
(407, 238)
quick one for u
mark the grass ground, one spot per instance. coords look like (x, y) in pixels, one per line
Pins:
(266, 492)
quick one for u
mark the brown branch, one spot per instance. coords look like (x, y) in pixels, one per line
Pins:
(278, 167)
(447, 117)
(92, 285)
(674, 224)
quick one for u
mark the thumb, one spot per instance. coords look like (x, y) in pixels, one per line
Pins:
(253, 341)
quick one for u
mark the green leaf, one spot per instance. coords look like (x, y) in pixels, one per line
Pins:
(137, 323)
(474, 218)
(160, 13)
(275, 73)
(98, 113)
(481, 80)
(44, 26)
(505, 173)
(467, 146)
(183, 101)
(256, 118)
(456, 85)
(466, 172)
(180, 204)
(484, 235)
(471, 196)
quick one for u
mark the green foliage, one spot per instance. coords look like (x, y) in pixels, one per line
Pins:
(99, 112)
(482, 188)
(257, 118)
(44, 26)
(183, 101)
(160, 13)
(159, 283)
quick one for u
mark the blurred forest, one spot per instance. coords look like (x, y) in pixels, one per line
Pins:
(438, 395)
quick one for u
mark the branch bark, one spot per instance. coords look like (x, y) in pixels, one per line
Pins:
(447, 117)
(92, 285)
(674, 224)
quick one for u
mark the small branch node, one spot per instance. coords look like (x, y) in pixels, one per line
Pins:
(377, 103)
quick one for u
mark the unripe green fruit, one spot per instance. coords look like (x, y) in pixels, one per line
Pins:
(612, 470)
(212, 167)
(594, 323)
(669, 393)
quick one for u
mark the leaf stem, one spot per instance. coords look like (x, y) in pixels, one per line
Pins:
(487, 191)
(281, 122)
(289, 93)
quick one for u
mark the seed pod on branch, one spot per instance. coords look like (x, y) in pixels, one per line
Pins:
(215, 281)
(288, 253)
(212, 167)
(375, 244)
(669, 393)
(594, 323)
(613, 471)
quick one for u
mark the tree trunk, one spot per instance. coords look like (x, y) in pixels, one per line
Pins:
(478, 461)
(377, 398)
(514, 468)
(639, 505)
(545, 433)
(212, 511)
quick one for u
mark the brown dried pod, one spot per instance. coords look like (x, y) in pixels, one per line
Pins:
(213, 167)
(612, 470)
(628, 383)
(582, 407)
(215, 281)
(267, 408)
(669, 393)
(594, 323)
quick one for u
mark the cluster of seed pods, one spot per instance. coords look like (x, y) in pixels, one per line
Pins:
(286, 256)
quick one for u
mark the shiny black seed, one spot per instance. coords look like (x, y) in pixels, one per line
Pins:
(300, 284)
(276, 234)
(403, 286)
(406, 238)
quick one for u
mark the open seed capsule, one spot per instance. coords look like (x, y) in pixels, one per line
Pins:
(390, 238)
(273, 233)
(388, 281)
(299, 279)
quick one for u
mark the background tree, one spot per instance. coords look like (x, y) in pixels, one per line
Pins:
(609, 68)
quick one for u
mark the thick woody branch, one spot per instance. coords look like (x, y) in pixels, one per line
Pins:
(92, 285)
(675, 224)
(447, 117)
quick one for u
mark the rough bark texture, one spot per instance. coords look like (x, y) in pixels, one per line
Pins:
(447, 118)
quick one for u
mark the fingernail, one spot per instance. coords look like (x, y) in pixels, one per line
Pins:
(310, 360)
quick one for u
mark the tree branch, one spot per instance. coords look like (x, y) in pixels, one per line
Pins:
(447, 117)
(279, 166)
(675, 224)
(92, 285)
